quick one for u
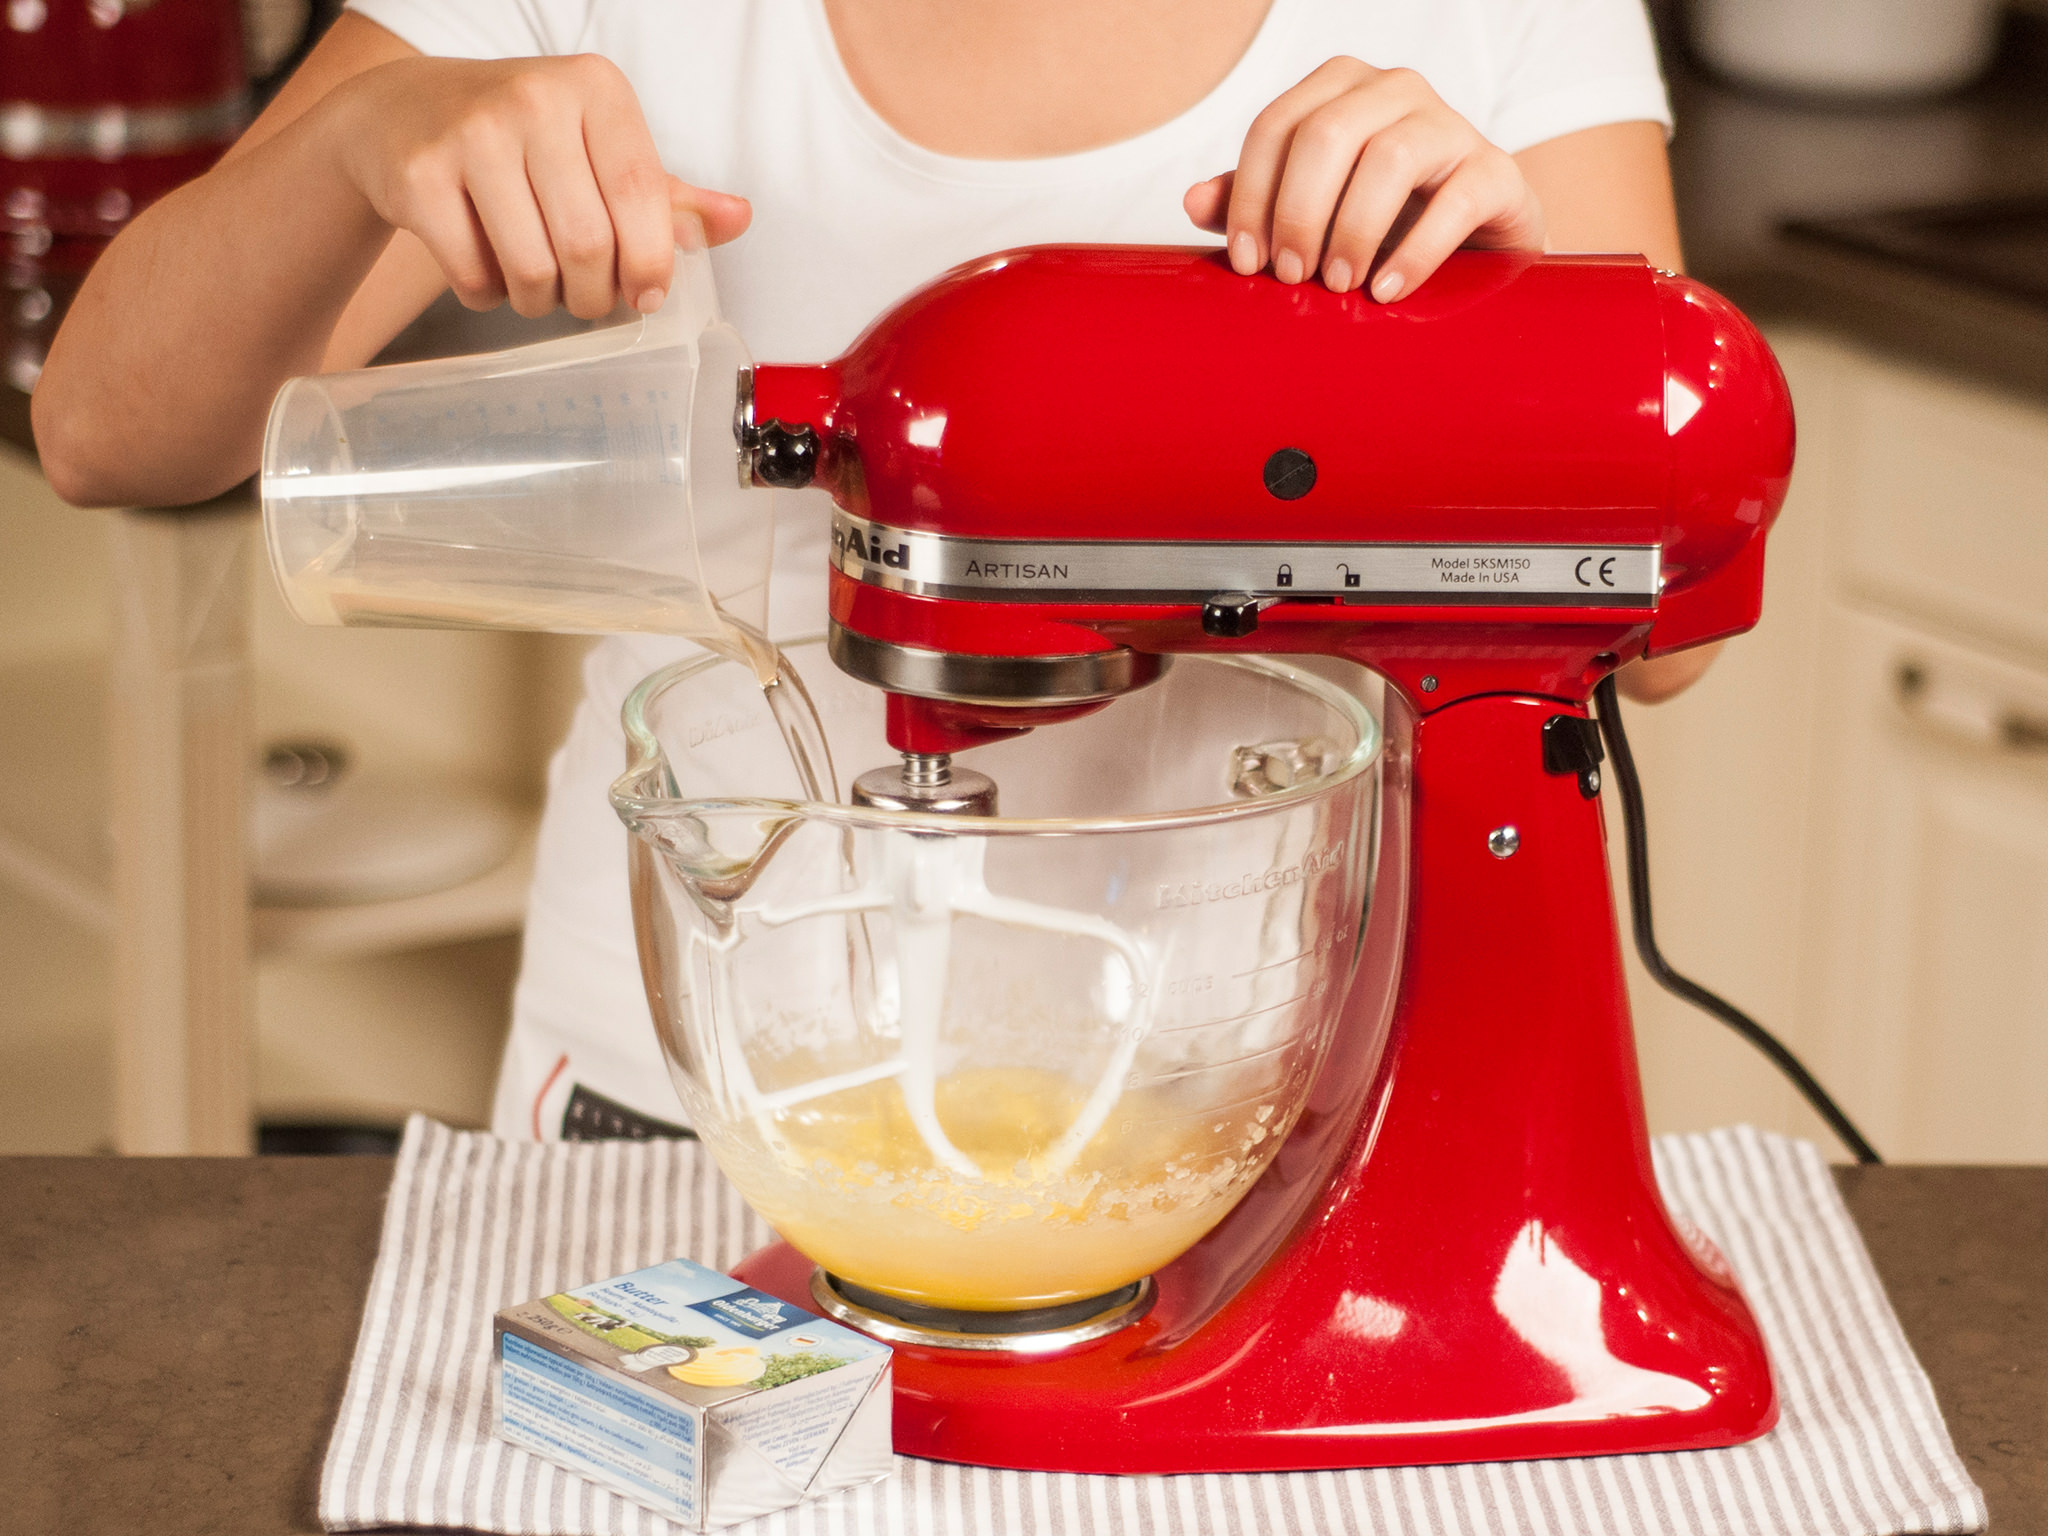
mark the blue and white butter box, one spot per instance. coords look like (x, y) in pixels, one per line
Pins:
(693, 1395)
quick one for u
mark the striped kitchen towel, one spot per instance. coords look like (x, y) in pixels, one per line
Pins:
(475, 1223)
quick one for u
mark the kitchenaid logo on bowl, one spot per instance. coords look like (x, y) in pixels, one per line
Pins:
(1194, 893)
(717, 727)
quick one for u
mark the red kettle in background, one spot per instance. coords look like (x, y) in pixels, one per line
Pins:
(105, 105)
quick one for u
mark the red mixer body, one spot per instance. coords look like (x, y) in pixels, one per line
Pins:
(109, 104)
(113, 104)
(1494, 494)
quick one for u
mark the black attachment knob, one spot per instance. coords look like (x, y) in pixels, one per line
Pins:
(1233, 615)
(1290, 474)
(786, 457)
(1571, 744)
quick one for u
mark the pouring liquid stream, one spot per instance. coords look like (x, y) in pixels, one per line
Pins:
(410, 583)
(789, 704)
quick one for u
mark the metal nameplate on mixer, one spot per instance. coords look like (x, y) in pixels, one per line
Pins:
(1093, 571)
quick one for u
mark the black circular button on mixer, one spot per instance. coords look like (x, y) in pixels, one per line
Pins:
(1290, 474)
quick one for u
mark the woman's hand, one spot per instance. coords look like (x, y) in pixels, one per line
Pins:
(529, 179)
(1357, 160)
(533, 178)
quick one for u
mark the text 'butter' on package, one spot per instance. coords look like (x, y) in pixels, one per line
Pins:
(693, 1395)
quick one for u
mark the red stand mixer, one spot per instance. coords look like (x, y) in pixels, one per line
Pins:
(1057, 468)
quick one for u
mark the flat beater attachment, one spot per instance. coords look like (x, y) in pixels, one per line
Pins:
(923, 880)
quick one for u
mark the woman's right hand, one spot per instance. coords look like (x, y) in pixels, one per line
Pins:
(529, 179)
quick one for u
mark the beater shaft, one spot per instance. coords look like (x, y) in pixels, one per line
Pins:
(927, 781)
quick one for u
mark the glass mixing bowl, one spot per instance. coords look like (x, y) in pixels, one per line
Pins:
(1001, 1062)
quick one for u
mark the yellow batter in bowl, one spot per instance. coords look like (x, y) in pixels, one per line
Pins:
(850, 1183)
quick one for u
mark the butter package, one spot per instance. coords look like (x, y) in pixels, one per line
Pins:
(691, 1394)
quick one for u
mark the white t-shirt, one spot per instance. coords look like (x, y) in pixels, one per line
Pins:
(750, 96)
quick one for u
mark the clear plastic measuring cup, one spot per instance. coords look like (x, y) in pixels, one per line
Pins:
(589, 484)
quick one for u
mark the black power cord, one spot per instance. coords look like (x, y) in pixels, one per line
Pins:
(1660, 969)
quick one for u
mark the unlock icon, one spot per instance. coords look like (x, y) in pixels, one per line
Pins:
(1350, 576)
(1286, 576)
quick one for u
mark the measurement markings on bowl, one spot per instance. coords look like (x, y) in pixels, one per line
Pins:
(1274, 965)
(1212, 1066)
(1239, 1018)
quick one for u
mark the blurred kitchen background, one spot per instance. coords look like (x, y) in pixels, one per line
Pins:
(256, 874)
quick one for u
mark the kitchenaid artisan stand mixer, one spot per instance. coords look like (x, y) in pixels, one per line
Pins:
(1055, 470)
(1493, 495)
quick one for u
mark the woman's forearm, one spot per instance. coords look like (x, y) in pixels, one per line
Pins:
(157, 387)
(535, 179)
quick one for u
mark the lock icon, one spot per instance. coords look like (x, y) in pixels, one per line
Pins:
(1286, 576)
(1350, 576)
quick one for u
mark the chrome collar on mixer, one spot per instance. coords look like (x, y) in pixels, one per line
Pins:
(1084, 677)
(1029, 1331)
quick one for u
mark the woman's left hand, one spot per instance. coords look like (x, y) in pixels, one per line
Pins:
(1355, 160)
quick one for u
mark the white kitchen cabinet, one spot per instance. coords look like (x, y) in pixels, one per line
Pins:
(1929, 973)
(361, 1012)
(1850, 815)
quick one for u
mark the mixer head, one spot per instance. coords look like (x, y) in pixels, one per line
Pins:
(1057, 467)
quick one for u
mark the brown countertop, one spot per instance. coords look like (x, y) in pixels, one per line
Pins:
(1964, 1254)
(182, 1330)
